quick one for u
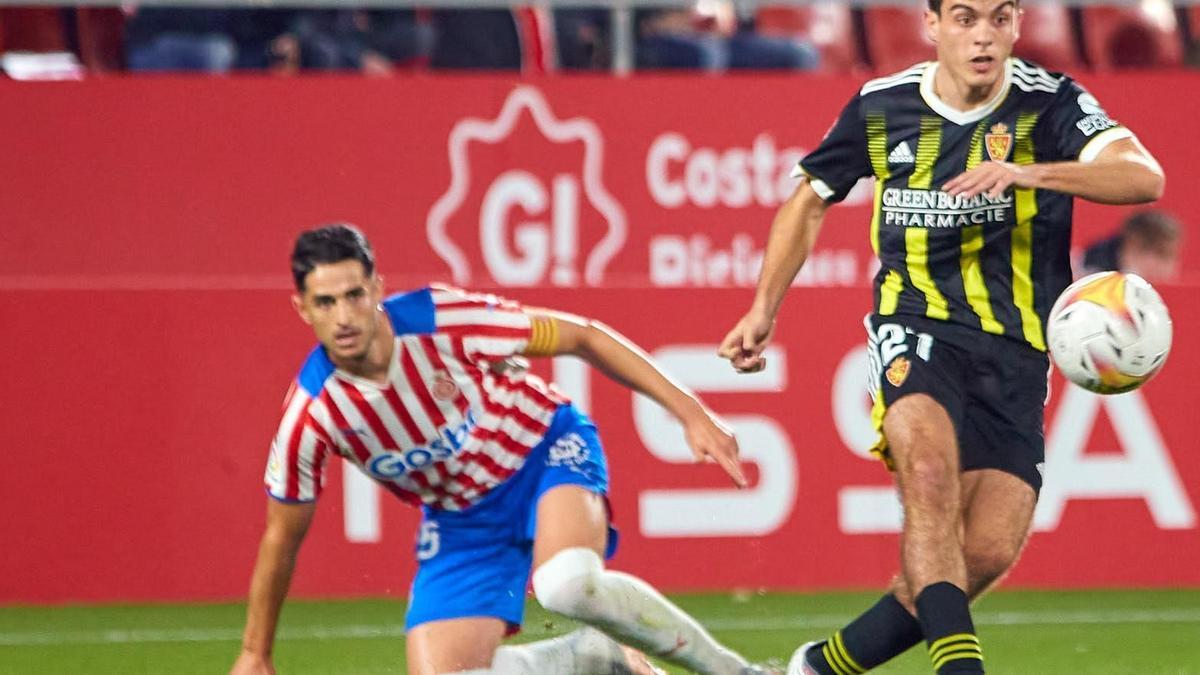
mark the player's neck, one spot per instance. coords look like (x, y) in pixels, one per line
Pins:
(958, 94)
(376, 362)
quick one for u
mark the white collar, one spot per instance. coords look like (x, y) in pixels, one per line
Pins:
(961, 117)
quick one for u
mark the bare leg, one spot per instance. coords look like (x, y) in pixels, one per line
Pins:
(997, 519)
(925, 450)
(453, 645)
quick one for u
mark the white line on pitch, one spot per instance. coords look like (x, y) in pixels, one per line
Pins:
(369, 631)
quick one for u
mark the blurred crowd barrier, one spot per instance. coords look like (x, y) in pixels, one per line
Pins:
(65, 42)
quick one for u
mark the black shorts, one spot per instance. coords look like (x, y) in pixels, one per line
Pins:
(993, 387)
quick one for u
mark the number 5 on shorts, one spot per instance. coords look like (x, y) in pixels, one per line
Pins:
(429, 540)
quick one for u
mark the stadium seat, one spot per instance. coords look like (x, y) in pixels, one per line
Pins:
(32, 29)
(1146, 36)
(828, 26)
(896, 37)
(101, 38)
(1046, 37)
(1192, 16)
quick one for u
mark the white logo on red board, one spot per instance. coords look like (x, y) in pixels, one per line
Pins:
(532, 208)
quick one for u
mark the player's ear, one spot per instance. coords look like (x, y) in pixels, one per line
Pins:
(931, 24)
(298, 305)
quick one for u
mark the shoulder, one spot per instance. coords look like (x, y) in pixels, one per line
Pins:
(1032, 78)
(907, 78)
(315, 372)
(412, 312)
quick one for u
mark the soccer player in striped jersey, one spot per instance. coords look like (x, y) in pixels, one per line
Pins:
(426, 392)
(976, 159)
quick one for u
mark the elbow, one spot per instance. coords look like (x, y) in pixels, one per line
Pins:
(1151, 182)
(1141, 188)
(1157, 185)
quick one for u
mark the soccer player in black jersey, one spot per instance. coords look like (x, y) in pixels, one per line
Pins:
(976, 158)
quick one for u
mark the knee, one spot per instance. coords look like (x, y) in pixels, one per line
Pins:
(923, 445)
(986, 564)
(568, 583)
(928, 476)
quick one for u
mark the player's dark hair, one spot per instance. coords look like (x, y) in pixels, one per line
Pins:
(935, 6)
(330, 244)
(1152, 228)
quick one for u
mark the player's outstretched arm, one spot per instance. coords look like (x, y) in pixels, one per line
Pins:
(793, 235)
(286, 526)
(628, 364)
(1122, 173)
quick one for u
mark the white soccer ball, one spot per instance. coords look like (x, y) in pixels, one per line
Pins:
(1109, 332)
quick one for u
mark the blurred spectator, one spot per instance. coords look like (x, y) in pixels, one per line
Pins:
(709, 36)
(372, 41)
(163, 38)
(584, 38)
(476, 39)
(1147, 244)
(284, 40)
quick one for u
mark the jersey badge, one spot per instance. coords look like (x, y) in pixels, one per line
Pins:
(999, 142)
(444, 388)
(897, 373)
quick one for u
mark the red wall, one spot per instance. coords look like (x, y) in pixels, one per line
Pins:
(144, 230)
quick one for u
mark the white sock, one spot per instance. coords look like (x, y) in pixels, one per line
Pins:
(585, 651)
(575, 583)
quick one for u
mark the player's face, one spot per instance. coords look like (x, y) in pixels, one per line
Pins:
(1153, 263)
(974, 38)
(341, 303)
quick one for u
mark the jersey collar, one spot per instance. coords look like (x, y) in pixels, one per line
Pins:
(961, 117)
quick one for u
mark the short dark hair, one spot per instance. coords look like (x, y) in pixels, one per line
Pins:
(935, 6)
(1152, 228)
(330, 244)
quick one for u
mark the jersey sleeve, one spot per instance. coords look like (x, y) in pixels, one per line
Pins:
(1078, 125)
(489, 327)
(296, 463)
(841, 158)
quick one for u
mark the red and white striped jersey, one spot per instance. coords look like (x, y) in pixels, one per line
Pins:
(447, 427)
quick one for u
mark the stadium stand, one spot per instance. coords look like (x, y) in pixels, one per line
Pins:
(896, 37)
(1047, 37)
(849, 37)
(1146, 36)
(828, 26)
(32, 29)
(101, 38)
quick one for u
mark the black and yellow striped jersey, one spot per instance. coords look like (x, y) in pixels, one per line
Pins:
(992, 264)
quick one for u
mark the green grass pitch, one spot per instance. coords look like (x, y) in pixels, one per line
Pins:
(1023, 633)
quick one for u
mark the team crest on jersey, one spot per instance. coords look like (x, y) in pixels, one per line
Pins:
(999, 142)
(444, 388)
(897, 373)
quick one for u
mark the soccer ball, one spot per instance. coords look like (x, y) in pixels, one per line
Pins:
(1109, 332)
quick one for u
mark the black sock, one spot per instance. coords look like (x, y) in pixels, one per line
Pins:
(945, 617)
(884, 631)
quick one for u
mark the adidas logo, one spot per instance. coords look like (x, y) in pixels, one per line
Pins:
(901, 154)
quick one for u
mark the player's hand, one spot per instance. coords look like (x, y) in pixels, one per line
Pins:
(992, 179)
(252, 664)
(744, 345)
(711, 440)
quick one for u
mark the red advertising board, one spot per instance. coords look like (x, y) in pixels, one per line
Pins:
(146, 226)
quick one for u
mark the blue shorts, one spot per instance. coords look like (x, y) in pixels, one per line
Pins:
(476, 563)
